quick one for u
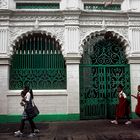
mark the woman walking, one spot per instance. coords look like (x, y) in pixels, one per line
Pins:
(137, 109)
(123, 107)
(27, 102)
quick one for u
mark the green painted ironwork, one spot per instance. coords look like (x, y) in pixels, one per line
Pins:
(102, 7)
(103, 68)
(37, 6)
(38, 62)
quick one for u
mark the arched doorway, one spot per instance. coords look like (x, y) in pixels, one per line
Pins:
(37, 61)
(103, 67)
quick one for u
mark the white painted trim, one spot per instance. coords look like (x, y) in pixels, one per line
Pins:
(40, 93)
(37, 1)
(100, 2)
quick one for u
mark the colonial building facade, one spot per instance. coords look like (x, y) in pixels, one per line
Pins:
(72, 53)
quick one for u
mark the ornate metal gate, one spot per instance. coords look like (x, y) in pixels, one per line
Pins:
(37, 61)
(103, 67)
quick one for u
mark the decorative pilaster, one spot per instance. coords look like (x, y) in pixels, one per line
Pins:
(72, 57)
(4, 33)
(134, 37)
(72, 39)
(72, 33)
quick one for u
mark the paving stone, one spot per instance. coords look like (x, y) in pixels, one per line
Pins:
(91, 137)
(81, 137)
(128, 136)
(61, 138)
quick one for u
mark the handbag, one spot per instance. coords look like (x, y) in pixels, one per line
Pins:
(31, 110)
(36, 111)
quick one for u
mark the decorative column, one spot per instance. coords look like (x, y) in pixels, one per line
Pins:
(4, 68)
(72, 57)
(72, 39)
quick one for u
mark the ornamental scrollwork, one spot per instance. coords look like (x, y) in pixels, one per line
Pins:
(19, 32)
(3, 4)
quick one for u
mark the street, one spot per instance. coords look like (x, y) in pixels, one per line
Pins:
(76, 130)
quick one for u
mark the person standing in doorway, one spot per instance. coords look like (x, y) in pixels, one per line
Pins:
(27, 101)
(137, 109)
(123, 107)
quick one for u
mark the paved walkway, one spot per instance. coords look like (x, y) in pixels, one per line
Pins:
(76, 130)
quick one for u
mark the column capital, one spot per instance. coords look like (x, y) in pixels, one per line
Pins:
(71, 17)
(134, 59)
(4, 60)
(72, 58)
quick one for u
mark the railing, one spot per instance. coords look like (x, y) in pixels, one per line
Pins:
(38, 78)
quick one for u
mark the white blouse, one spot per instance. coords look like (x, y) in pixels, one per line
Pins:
(122, 94)
(27, 96)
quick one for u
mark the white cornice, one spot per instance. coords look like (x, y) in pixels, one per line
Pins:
(133, 14)
(37, 12)
(37, 1)
(100, 1)
(104, 12)
(72, 12)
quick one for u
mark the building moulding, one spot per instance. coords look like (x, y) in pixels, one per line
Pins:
(21, 34)
(118, 36)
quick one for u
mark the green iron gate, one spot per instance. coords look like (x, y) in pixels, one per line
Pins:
(98, 90)
(103, 68)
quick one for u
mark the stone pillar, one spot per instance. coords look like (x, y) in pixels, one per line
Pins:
(72, 62)
(134, 61)
(135, 80)
(4, 80)
(72, 57)
(4, 69)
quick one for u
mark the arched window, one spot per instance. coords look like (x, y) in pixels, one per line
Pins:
(38, 62)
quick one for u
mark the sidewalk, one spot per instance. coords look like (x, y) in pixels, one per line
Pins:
(76, 130)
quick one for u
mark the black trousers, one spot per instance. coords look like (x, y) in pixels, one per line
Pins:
(32, 124)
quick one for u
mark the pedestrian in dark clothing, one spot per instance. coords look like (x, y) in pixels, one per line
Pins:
(27, 102)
